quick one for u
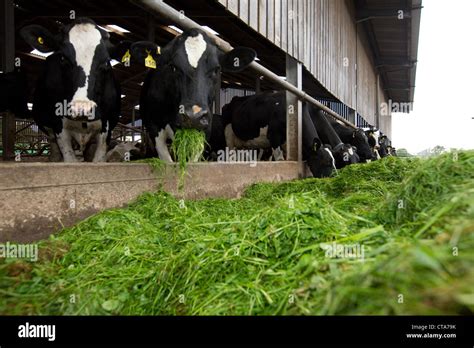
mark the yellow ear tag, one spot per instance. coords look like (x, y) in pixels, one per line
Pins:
(149, 61)
(126, 57)
(40, 40)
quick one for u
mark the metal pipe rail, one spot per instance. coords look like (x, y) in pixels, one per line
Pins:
(158, 6)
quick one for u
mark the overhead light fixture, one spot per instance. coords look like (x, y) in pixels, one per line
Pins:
(41, 55)
(114, 62)
(137, 107)
(176, 29)
(30, 106)
(122, 96)
(212, 31)
(141, 83)
(117, 28)
(238, 83)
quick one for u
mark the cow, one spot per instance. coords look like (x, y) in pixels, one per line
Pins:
(318, 156)
(372, 138)
(179, 89)
(123, 152)
(77, 99)
(344, 154)
(383, 146)
(257, 122)
(14, 93)
(356, 137)
(216, 141)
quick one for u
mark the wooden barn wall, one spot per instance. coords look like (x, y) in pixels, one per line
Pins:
(322, 35)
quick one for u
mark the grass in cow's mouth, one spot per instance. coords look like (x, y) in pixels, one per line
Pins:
(406, 229)
(188, 146)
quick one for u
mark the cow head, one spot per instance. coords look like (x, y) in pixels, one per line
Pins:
(361, 142)
(192, 64)
(320, 160)
(345, 155)
(77, 69)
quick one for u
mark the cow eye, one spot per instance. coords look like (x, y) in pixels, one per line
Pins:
(173, 68)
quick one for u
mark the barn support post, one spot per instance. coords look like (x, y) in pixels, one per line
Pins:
(258, 88)
(133, 124)
(7, 47)
(294, 107)
(168, 12)
(377, 102)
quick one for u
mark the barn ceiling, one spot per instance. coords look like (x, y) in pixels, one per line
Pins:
(393, 42)
(392, 28)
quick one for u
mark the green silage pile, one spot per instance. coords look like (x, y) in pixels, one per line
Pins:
(266, 253)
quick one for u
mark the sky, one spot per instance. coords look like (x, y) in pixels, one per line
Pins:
(443, 110)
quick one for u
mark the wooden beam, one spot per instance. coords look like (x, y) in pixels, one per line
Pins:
(294, 75)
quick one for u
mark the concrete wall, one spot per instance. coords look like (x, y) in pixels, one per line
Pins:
(38, 199)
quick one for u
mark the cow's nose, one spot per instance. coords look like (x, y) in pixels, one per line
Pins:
(196, 112)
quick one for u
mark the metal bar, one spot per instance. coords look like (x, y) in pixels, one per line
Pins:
(184, 22)
(121, 125)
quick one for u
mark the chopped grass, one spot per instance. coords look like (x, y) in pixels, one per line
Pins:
(265, 253)
(188, 146)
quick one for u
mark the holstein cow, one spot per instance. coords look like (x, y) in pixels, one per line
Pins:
(383, 146)
(318, 156)
(77, 99)
(372, 137)
(179, 89)
(257, 122)
(260, 120)
(344, 154)
(355, 137)
(13, 93)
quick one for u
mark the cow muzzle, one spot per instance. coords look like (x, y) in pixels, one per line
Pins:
(83, 108)
(195, 117)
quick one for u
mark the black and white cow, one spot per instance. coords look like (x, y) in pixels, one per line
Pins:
(356, 138)
(318, 156)
(257, 122)
(372, 138)
(178, 91)
(344, 154)
(14, 93)
(77, 99)
(383, 146)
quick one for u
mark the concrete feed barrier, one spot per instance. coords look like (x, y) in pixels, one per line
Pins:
(38, 199)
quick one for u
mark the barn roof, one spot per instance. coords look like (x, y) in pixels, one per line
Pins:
(392, 28)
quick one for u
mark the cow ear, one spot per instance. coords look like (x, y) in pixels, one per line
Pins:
(237, 59)
(121, 52)
(39, 38)
(146, 53)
